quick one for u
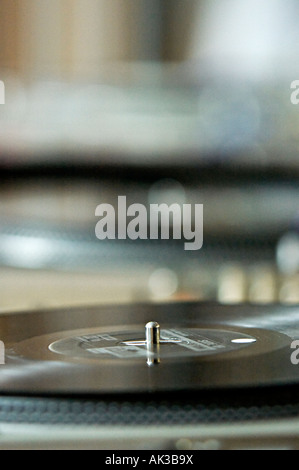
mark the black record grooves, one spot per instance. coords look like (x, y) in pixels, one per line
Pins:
(98, 351)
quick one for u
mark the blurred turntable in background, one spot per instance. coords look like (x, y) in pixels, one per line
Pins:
(163, 101)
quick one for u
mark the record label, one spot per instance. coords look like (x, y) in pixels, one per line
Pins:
(173, 343)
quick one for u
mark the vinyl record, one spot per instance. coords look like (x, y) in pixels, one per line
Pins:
(174, 347)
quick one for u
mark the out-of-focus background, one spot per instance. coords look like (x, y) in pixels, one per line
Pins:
(183, 101)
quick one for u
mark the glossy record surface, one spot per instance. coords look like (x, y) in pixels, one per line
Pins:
(223, 347)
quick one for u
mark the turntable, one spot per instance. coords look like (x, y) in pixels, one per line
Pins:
(167, 376)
